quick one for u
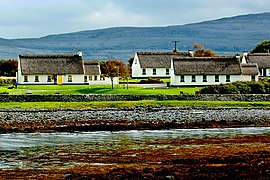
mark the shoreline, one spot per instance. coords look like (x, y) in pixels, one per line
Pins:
(117, 119)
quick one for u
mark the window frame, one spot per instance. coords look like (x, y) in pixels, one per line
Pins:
(182, 78)
(49, 78)
(69, 78)
(154, 71)
(167, 71)
(193, 78)
(143, 71)
(228, 78)
(216, 78)
(204, 78)
(25, 79)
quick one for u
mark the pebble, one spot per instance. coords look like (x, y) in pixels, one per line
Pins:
(138, 114)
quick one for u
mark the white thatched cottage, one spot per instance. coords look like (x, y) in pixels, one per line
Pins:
(263, 61)
(59, 69)
(154, 64)
(201, 71)
(50, 69)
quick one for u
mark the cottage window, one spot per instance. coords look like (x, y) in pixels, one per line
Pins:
(182, 78)
(154, 71)
(90, 78)
(69, 78)
(36, 79)
(95, 78)
(49, 79)
(85, 78)
(143, 71)
(25, 78)
(228, 78)
(216, 78)
(252, 78)
(167, 71)
(193, 78)
(204, 78)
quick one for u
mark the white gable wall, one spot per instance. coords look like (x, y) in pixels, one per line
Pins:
(137, 71)
(136, 67)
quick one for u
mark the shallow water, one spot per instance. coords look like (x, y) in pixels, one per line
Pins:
(18, 144)
(16, 141)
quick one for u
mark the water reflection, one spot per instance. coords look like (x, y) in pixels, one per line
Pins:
(16, 141)
(16, 148)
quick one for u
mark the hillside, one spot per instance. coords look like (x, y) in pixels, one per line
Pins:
(226, 36)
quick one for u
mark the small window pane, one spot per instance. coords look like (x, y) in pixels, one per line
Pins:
(228, 78)
(167, 71)
(143, 71)
(204, 78)
(25, 78)
(69, 78)
(182, 78)
(49, 79)
(216, 78)
(154, 71)
(193, 79)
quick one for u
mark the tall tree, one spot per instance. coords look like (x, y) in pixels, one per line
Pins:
(262, 47)
(8, 67)
(114, 68)
(200, 51)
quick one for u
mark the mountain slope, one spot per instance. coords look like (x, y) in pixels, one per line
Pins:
(225, 36)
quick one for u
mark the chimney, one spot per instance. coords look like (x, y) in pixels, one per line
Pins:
(80, 54)
(244, 58)
(191, 52)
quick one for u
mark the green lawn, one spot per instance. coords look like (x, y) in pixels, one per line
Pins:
(93, 89)
(121, 104)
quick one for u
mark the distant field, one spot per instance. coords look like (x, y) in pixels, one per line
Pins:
(95, 89)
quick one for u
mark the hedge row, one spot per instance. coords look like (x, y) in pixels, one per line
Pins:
(239, 87)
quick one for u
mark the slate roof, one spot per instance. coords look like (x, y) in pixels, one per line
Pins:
(262, 59)
(42, 64)
(221, 65)
(92, 68)
(158, 59)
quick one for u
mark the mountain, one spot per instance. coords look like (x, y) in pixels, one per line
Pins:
(225, 36)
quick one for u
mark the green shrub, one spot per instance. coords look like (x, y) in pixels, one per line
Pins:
(247, 87)
(243, 87)
(7, 81)
(151, 81)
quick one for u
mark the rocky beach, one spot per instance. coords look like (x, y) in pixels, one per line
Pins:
(18, 120)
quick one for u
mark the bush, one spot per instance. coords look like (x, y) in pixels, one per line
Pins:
(6, 81)
(243, 87)
(151, 81)
(249, 87)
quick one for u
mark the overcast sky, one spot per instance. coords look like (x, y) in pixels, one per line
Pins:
(37, 18)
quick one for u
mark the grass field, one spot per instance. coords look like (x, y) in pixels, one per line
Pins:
(94, 89)
(132, 104)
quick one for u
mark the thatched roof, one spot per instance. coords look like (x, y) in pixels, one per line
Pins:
(249, 69)
(92, 68)
(51, 64)
(262, 59)
(158, 59)
(222, 65)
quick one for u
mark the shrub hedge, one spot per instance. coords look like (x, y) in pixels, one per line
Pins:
(239, 87)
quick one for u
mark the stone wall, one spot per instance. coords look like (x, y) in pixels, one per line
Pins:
(90, 97)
